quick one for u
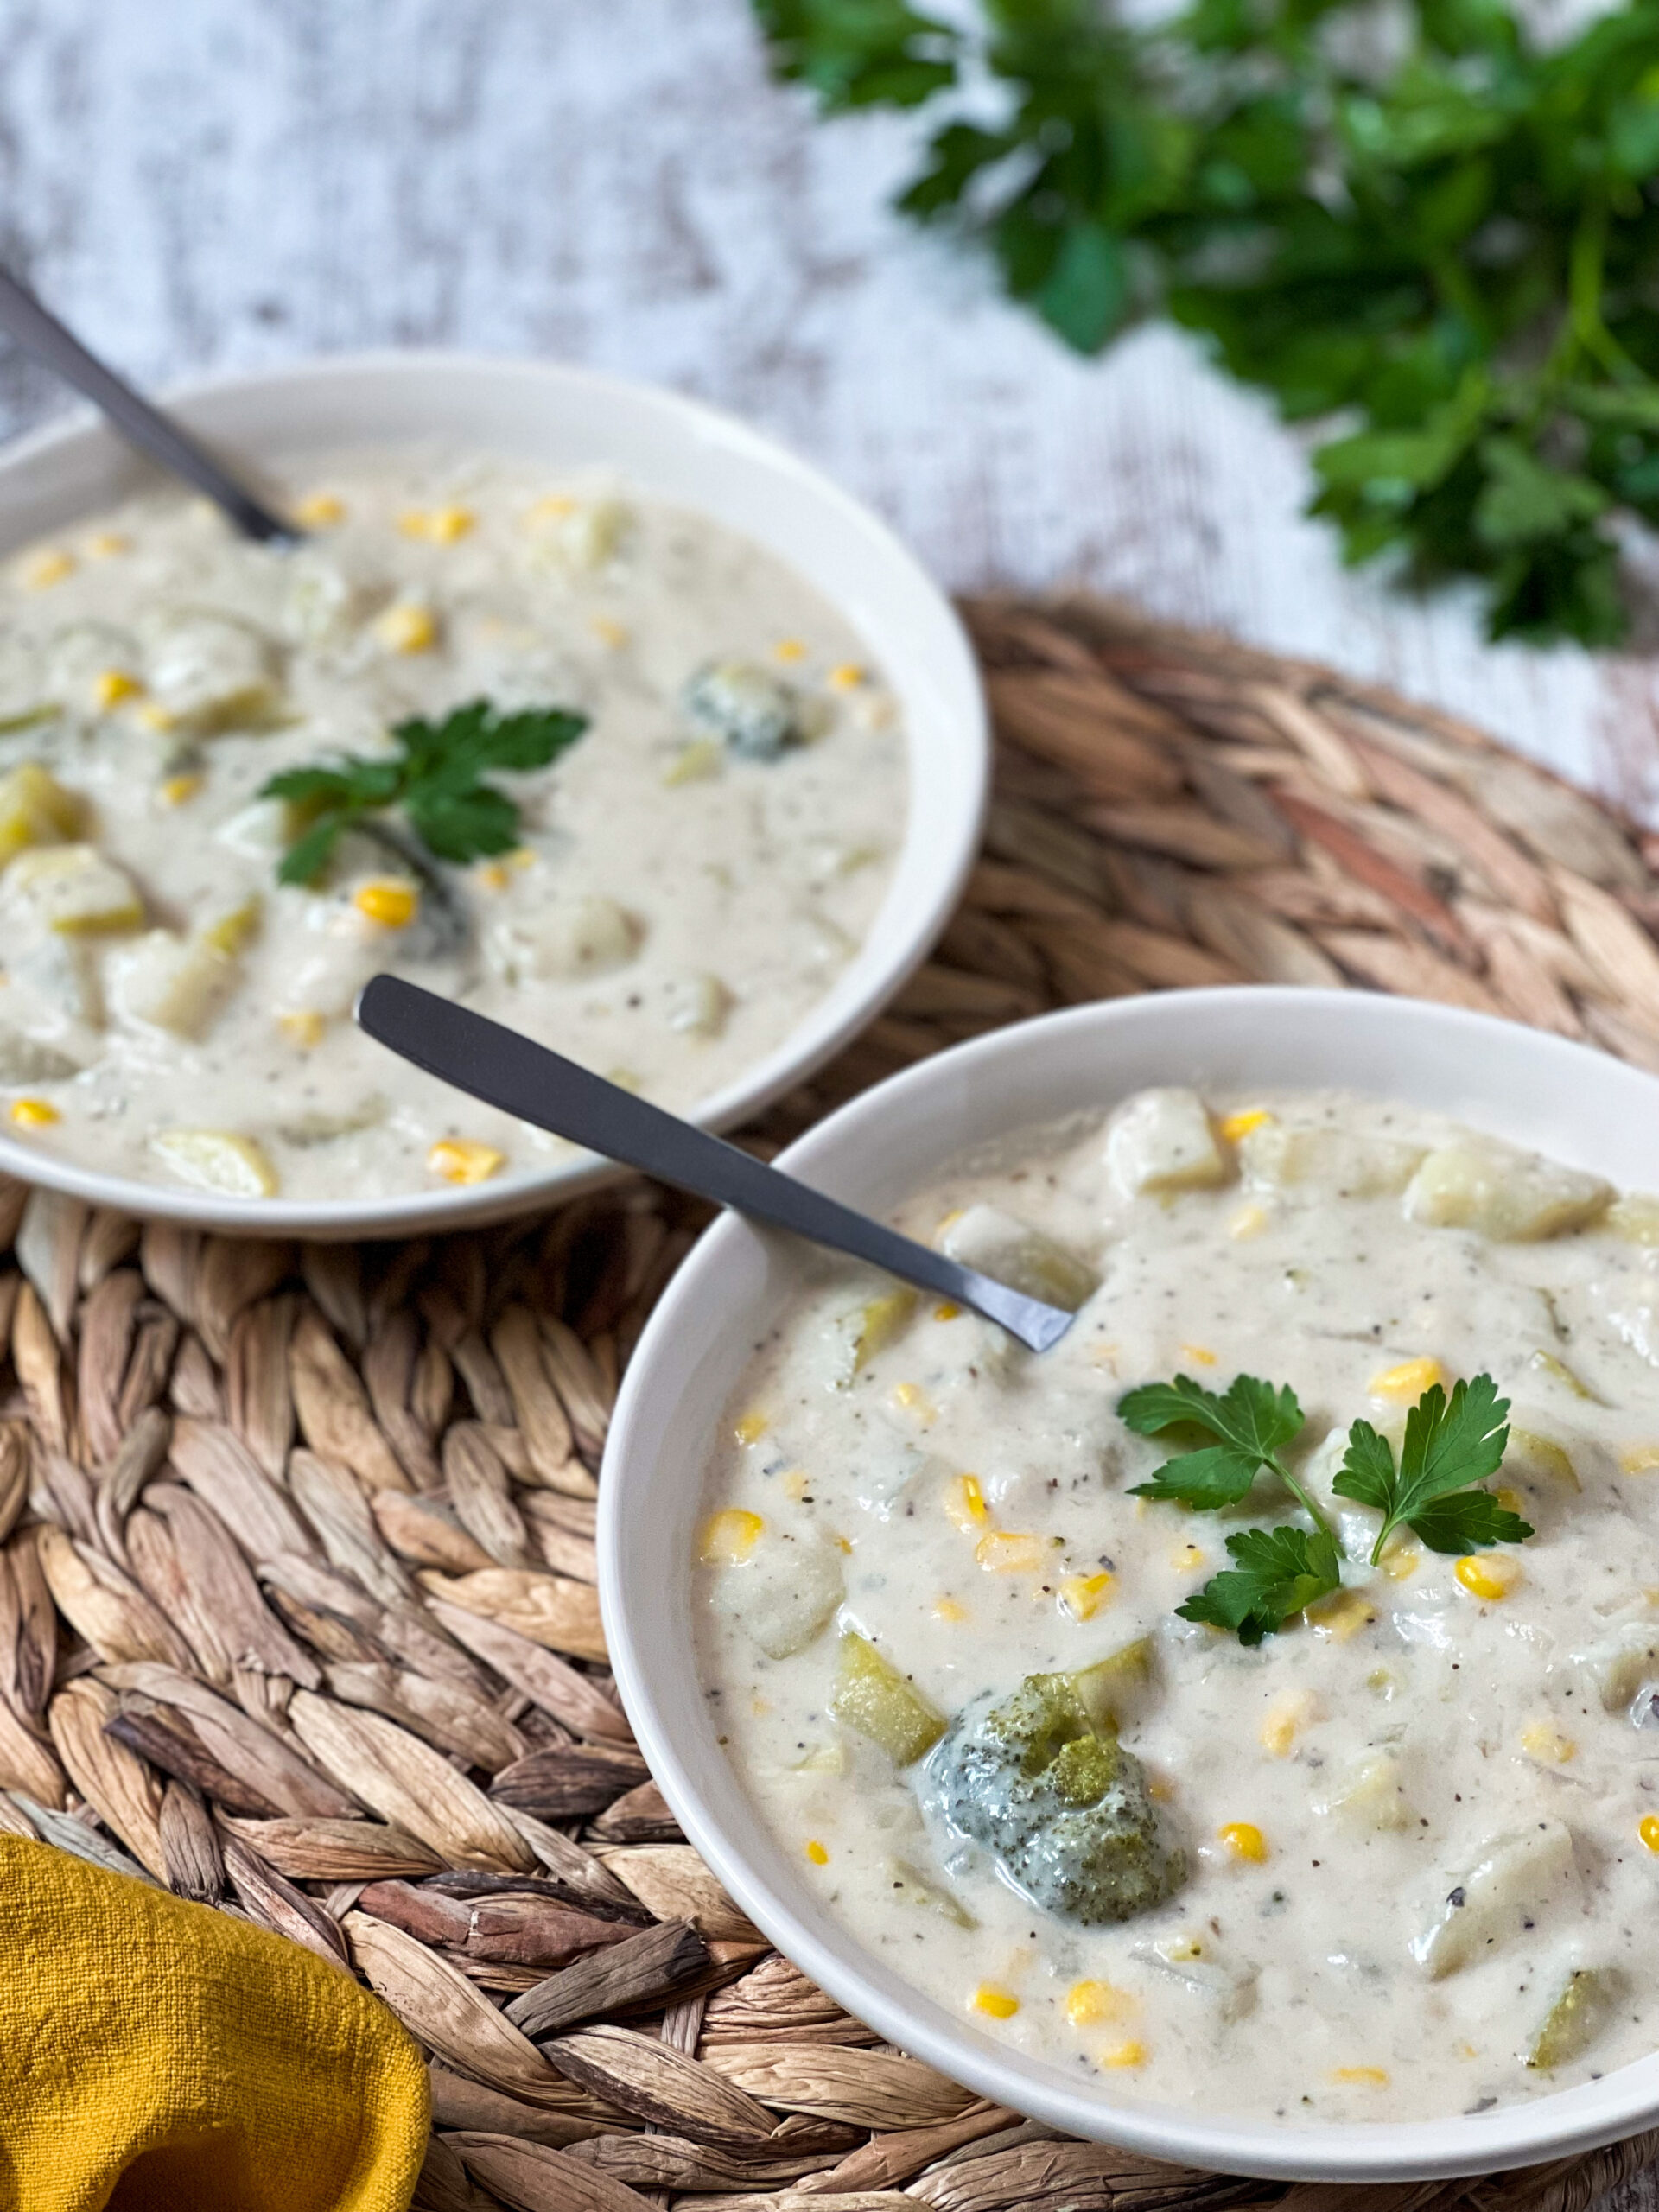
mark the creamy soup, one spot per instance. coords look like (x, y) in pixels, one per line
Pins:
(656, 844)
(1390, 1855)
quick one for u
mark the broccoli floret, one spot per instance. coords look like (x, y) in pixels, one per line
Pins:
(753, 712)
(1060, 1803)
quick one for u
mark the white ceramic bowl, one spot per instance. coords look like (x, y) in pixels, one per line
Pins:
(1579, 1106)
(679, 450)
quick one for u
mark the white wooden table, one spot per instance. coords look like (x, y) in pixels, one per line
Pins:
(213, 184)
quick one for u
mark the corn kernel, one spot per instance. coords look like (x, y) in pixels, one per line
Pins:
(1540, 1740)
(1640, 1459)
(1407, 1380)
(111, 686)
(965, 1502)
(795, 1483)
(154, 715)
(1122, 2056)
(1082, 1595)
(318, 509)
(789, 649)
(1285, 1719)
(1003, 1552)
(392, 904)
(1094, 2004)
(493, 876)
(751, 1426)
(406, 628)
(997, 2002)
(464, 1160)
(1234, 1126)
(1649, 1831)
(729, 1536)
(1341, 1614)
(105, 544)
(553, 508)
(445, 525)
(34, 1113)
(846, 676)
(1244, 1840)
(946, 1609)
(177, 790)
(609, 633)
(304, 1030)
(816, 1853)
(47, 568)
(946, 1310)
(1372, 2077)
(1401, 1560)
(1202, 1353)
(910, 1398)
(1186, 1558)
(1490, 1579)
(1248, 1222)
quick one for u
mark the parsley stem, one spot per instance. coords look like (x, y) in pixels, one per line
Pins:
(1303, 1498)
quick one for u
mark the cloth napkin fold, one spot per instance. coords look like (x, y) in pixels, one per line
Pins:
(159, 2056)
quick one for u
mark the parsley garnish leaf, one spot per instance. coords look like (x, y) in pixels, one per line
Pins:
(436, 778)
(1251, 1423)
(1450, 1444)
(1276, 1573)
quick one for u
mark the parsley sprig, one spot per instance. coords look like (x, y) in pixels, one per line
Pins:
(1450, 1444)
(1445, 253)
(436, 778)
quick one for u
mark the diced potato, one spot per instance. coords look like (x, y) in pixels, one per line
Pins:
(1275, 1156)
(167, 981)
(235, 927)
(886, 1468)
(30, 1059)
(1515, 1197)
(1010, 1252)
(1201, 1963)
(1370, 1798)
(1114, 1688)
(1162, 1140)
(579, 536)
(263, 829)
(210, 672)
(1634, 1216)
(879, 1322)
(217, 1159)
(872, 1696)
(74, 890)
(784, 1594)
(1545, 1362)
(564, 941)
(910, 1886)
(1579, 2015)
(62, 972)
(1514, 1877)
(36, 809)
(1623, 1665)
(307, 1130)
(695, 1006)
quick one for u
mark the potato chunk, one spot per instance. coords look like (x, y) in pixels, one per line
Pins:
(167, 981)
(217, 1159)
(784, 1594)
(73, 890)
(210, 672)
(1276, 1156)
(36, 809)
(1579, 2015)
(564, 942)
(1370, 1798)
(1513, 1197)
(1197, 1960)
(873, 1697)
(1514, 1876)
(997, 1244)
(1162, 1140)
(1623, 1666)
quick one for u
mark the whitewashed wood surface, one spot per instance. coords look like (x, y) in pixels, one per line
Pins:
(212, 184)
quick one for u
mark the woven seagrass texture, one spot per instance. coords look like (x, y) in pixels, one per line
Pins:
(297, 1611)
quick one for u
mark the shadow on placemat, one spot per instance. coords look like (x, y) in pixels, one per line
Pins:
(291, 1530)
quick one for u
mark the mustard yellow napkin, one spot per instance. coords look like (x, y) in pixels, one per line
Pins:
(158, 2057)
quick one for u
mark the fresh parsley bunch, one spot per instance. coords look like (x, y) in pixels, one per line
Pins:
(1450, 1447)
(436, 778)
(1449, 251)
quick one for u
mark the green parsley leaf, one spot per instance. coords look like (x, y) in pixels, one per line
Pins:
(436, 778)
(1450, 1444)
(1251, 1423)
(1276, 1573)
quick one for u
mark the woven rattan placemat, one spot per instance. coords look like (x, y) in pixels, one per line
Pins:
(293, 1533)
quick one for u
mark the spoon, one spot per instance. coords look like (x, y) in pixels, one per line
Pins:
(142, 425)
(524, 1079)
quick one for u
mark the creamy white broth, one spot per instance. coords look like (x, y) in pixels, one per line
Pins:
(676, 906)
(1373, 1757)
